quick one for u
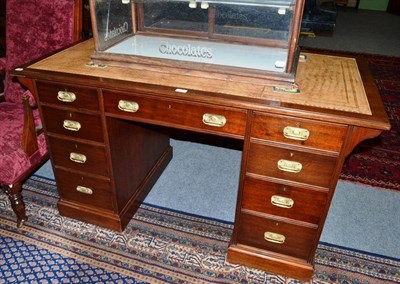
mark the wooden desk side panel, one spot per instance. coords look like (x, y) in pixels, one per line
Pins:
(135, 151)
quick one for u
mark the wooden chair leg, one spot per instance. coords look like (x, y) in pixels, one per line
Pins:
(17, 204)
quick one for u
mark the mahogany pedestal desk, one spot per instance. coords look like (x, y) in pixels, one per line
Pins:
(103, 129)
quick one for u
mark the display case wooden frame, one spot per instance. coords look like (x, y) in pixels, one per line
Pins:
(285, 78)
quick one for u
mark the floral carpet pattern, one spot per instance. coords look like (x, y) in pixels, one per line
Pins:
(376, 162)
(158, 246)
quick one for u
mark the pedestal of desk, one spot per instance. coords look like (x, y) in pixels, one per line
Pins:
(138, 158)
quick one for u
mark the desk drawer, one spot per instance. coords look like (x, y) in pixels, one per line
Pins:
(282, 200)
(276, 236)
(73, 124)
(291, 165)
(177, 113)
(66, 95)
(296, 131)
(85, 190)
(79, 156)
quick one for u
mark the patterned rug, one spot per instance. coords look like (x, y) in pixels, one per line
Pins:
(376, 162)
(158, 246)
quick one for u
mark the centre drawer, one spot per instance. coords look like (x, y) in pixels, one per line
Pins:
(276, 236)
(79, 156)
(73, 124)
(176, 113)
(84, 189)
(288, 164)
(282, 200)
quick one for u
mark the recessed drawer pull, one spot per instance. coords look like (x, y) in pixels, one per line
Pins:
(296, 133)
(71, 125)
(77, 158)
(85, 190)
(65, 96)
(274, 238)
(289, 166)
(281, 201)
(128, 106)
(214, 120)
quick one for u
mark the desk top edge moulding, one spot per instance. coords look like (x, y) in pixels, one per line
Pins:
(360, 108)
(107, 119)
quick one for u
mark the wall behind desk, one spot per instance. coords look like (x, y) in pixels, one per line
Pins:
(377, 5)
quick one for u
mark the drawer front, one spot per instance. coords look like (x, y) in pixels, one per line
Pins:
(69, 96)
(79, 156)
(177, 113)
(291, 165)
(84, 190)
(73, 124)
(296, 131)
(276, 236)
(282, 200)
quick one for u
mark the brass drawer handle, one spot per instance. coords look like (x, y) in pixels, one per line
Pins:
(128, 106)
(214, 120)
(274, 238)
(85, 190)
(71, 125)
(77, 158)
(289, 166)
(295, 133)
(281, 201)
(65, 96)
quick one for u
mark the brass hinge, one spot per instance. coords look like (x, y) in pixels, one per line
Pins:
(294, 89)
(95, 65)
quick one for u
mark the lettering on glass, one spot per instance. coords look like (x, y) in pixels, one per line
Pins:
(186, 50)
(116, 31)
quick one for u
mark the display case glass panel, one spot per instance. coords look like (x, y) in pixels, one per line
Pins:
(253, 21)
(219, 35)
(174, 15)
(113, 22)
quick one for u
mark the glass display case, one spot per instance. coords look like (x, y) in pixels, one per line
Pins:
(254, 38)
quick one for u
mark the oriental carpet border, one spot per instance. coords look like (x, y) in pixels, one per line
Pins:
(158, 246)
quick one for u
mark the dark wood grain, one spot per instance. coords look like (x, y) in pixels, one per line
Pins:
(327, 136)
(298, 240)
(95, 156)
(135, 150)
(102, 196)
(90, 214)
(308, 204)
(177, 113)
(91, 124)
(86, 98)
(317, 169)
(29, 138)
(272, 262)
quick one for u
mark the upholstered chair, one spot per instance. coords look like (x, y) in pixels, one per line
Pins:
(33, 29)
